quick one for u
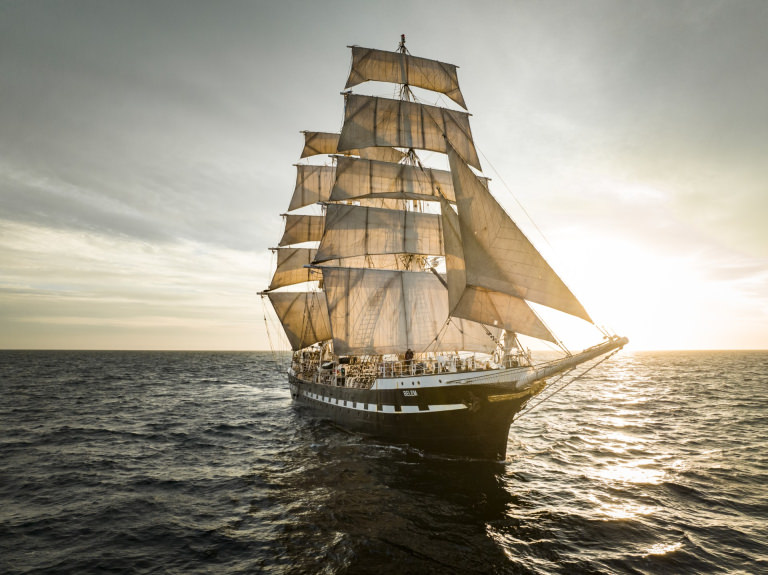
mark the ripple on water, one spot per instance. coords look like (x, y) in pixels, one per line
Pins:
(199, 463)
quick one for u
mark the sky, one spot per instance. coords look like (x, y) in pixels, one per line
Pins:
(146, 152)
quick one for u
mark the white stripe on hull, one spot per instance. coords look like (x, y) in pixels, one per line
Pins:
(372, 407)
(451, 378)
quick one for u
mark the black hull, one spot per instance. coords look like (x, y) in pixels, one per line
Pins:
(468, 420)
(463, 413)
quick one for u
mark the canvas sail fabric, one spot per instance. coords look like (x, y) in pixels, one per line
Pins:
(327, 143)
(371, 121)
(480, 304)
(313, 184)
(319, 143)
(496, 254)
(302, 228)
(398, 68)
(379, 312)
(304, 316)
(361, 178)
(357, 231)
(290, 267)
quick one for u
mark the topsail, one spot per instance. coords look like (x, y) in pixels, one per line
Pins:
(359, 178)
(316, 143)
(371, 121)
(302, 228)
(292, 267)
(361, 231)
(313, 185)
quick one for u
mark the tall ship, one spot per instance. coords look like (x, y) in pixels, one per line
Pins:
(402, 284)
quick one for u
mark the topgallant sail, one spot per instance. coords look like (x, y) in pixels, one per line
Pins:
(403, 293)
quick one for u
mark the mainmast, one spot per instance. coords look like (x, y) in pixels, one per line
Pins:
(411, 158)
(409, 229)
(406, 94)
(405, 90)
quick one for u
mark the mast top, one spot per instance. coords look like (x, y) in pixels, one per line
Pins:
(401, 47)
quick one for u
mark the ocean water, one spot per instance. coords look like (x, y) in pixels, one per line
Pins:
(140, 462)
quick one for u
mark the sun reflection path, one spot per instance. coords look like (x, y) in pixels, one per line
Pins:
(632, 472)
(663, 549)
(620, 508)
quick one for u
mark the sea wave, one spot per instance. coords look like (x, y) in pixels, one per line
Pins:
(137, 462)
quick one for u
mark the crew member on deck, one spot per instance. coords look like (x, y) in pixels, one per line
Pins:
(408, 359)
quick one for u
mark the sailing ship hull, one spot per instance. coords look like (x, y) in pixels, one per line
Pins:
(390, 270)
(469, 420)
(457, 413)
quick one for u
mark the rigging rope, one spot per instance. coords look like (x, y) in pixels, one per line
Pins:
(268, 330)
(561, 388)
(514, 197)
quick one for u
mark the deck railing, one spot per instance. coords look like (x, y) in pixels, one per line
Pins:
(362, 374)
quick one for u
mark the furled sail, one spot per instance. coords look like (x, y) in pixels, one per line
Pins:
(478, 303)
(302, 228)
(497, 255)
(360, 178)
(304, 316)
(381, 262)
(291, 268)
(399, 68)
(381, 154)
(313, 184)
(371, 121)
(356, 231)
(386, 203)
(327, 143)
(379, 311)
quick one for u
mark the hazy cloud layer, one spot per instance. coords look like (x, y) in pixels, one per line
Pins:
(154, 141)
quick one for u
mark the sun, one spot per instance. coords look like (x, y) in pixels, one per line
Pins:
(654, 299)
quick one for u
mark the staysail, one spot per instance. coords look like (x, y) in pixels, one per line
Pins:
(496, 254)
(479, 303)
(397, 67)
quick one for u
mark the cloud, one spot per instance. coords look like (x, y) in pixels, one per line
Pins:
(134, 121)
(55, 277)
(146, 147)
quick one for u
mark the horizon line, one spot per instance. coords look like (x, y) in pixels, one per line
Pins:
(287, 350)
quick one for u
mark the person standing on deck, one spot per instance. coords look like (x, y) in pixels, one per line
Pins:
(408, 360)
